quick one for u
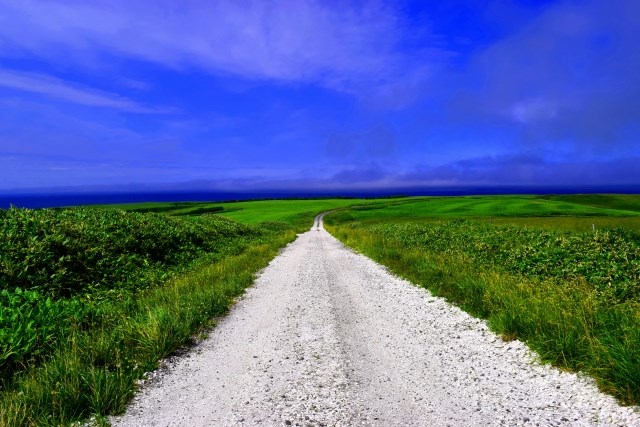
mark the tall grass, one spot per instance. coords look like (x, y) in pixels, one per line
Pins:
(568, 321)
(60, 268)
(94, 372)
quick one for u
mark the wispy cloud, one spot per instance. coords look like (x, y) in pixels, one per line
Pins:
(70, 92)
(347, 47)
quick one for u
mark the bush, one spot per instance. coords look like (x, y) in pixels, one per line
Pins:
(608, 260)
(61, 253)
(30, 325)
(57, 267)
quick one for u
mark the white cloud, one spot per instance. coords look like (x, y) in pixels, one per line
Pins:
(60, 89)
(534, 110)
(340, 46)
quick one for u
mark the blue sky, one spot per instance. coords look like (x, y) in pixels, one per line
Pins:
(297, 94)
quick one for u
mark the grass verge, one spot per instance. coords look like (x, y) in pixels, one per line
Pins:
(568, 321)
(94, 371)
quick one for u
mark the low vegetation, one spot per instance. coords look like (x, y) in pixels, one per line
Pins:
(532, 208)
(92, 298)
(571, 294)
(63, 253)
(294, 212)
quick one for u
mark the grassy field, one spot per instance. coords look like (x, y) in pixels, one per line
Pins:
(561, 273)
(298, 213)
(566, 212)
(628, 202)
(490, 207)
(91, 298)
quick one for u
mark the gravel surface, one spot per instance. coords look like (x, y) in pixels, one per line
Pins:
(328, 337)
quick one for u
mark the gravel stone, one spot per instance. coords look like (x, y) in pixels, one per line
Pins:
(327, 337)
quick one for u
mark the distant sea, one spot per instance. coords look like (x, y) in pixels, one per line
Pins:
(53, 200)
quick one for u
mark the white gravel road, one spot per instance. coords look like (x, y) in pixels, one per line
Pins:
(328, 337)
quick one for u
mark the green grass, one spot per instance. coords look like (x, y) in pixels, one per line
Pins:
(568, 223)
(56, 266)
(167, 208)
(488, 206)
(533, 266)
(628, 202)
(567, 212)
(298, 213)
(93, 372)
(62, 253)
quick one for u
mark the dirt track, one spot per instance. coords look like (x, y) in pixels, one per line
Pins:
(328, 337)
